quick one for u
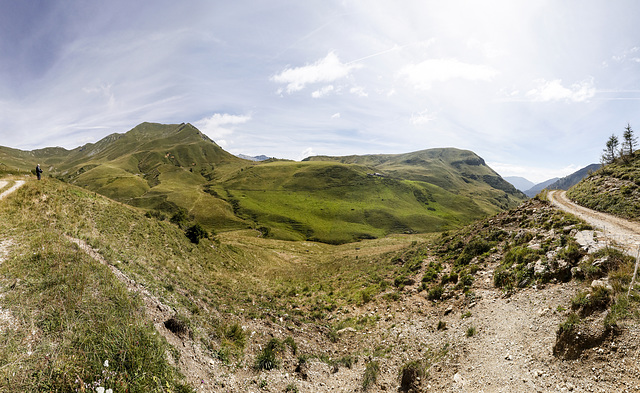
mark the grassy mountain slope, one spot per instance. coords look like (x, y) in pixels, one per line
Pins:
(337, 203)
(74, 314)
(458, 171)
(341, 309)
(614, 189)
(334, 200)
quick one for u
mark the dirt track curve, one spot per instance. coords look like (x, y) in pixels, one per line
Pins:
(16, 185)
(625, 233)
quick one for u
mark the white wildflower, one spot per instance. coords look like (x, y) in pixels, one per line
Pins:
(106, 363)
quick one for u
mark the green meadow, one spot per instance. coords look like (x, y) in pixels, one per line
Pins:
(168, 169)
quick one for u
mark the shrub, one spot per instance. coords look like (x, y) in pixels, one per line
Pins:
(435, 293)
(195, 233)
(430, 276)
(180, 218)
(503, 278)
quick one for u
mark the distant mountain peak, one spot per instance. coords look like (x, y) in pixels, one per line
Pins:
(261, 157)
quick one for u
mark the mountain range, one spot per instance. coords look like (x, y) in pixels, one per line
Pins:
(531, 189)
(172, 168)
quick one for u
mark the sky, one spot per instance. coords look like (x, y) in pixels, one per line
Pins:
(533, 87)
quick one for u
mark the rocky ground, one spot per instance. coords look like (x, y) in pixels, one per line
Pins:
(491, 341)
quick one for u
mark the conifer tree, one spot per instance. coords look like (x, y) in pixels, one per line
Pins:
(609, 153)
(629, 141)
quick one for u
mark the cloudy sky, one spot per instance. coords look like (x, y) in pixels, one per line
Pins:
(533, 87)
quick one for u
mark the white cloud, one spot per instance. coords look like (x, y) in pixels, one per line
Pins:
(105, 90)
(322, 92)
(422, 117)
(220, 125)
(359, 91)
(335, 115)
(308, 152)
(324, 70)
(424, 74)
(627, 54)
(488, 49)
(555, 91)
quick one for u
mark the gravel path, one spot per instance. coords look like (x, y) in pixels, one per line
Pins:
(625, 233)
(15, 186)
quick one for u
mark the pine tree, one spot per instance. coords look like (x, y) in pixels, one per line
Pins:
(609, 153)
(629, 141)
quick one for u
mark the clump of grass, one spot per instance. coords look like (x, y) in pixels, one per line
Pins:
(291, 388)
(290, 342)
(232, 341)
(268, 358)
(572, 321)
(588, 302)
(411, 373)
(442, 325)
(471, 331)
(371, 371)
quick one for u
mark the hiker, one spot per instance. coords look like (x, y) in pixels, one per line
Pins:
(38, 171)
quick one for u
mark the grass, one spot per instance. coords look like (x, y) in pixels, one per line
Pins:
(332, 200)
(371, 371)
(613, 189)
(239, 275)
(471, 331)
(338, 203)
(75, 316)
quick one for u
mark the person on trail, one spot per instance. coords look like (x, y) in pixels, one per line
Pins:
(38, 171)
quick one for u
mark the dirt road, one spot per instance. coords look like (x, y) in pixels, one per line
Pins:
(624, 233)
(16, 185)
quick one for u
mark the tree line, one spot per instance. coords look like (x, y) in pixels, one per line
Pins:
(614, 149)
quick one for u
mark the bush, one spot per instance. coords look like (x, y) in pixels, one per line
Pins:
(195, 233)
(503, 278)
(180, 218)
(435, 293)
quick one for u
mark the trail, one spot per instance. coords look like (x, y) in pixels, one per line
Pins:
(624, 233)
(16, 185)
(193, 362)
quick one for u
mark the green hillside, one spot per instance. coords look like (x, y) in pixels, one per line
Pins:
(65, 314)
(614, 188)
(457, 171)
(335, 202)
(169, 168)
